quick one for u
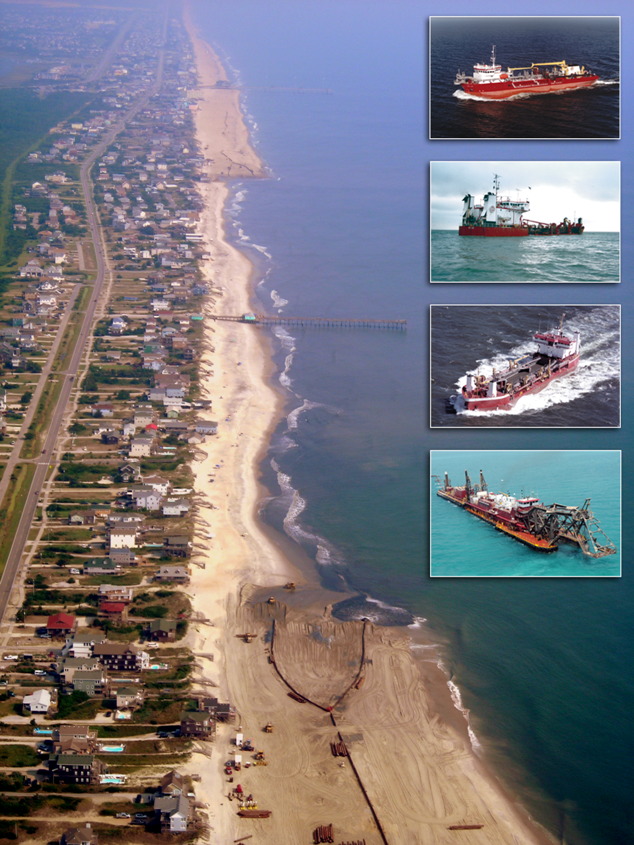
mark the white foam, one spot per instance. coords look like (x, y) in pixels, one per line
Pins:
(457, 700)
(293, 417)
(278, 301)
(383, 605)
(284, 337)
(291, 525)
(418, 622)
(323, 555)
(263, 250)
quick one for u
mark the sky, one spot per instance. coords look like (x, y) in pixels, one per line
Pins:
(555, 189)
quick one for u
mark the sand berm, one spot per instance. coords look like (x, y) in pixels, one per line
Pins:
(411, 772)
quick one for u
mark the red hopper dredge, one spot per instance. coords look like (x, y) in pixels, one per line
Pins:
(498, 216)
(557, 355)
(489, 82)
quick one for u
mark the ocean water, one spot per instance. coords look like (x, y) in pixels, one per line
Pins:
(340, 229)
(590, 257)
(471, 339)
(464, 546)
(459, 43)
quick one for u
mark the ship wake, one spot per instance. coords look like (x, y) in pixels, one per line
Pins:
(598, 369)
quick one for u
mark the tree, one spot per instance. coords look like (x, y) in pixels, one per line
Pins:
(26, 398)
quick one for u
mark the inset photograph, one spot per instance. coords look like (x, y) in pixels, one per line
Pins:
(524, 77)
(525, 221)
(525, 513)
(525, 366)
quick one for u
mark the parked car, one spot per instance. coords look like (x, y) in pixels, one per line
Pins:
(11, 657)
(141, 817)
(39, 672)
(122, 816)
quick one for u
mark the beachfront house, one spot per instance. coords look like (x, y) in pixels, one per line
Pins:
(173, 812)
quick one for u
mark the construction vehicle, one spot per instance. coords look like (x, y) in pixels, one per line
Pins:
(268, 728)
(248, 638)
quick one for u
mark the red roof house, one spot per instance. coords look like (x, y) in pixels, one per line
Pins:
(114, 609)
(60, 624)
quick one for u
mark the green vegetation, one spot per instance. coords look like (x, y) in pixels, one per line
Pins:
(122, 731)
(28, 804)
(26, 120)
(114, 375)
(160, 711)
(78, 705)
(87, 473)
(12, 507)
(18, 756)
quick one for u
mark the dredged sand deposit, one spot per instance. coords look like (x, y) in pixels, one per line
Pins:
(418, 773)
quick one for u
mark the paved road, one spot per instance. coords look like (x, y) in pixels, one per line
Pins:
(28, 514)
(14, 457)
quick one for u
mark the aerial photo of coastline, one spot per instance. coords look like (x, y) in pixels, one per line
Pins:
(525, 365)
(524, 77)
(216, 617)
(525, 221)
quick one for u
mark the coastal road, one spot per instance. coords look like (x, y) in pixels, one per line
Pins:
(14, 457)
(28, 514)
(112, 50)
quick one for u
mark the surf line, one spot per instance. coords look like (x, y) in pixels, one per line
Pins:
(304, 700)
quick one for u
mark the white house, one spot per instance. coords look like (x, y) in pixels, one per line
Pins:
(141, 447)
(123, 538)
(156, 482)
(38, 702)
(175, 507)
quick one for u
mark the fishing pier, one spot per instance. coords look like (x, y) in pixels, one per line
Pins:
(316, 322)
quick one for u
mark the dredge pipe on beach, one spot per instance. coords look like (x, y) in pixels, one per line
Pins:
(292, 688)
(330, 712)
(366, 796)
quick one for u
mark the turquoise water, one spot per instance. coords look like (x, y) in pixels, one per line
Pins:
(464, 546)
(543, 665)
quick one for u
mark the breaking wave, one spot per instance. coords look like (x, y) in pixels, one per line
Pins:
(457, 700)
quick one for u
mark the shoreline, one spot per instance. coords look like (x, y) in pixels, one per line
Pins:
(243, 559)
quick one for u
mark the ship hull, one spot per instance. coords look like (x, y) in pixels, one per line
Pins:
(494, 231)
(492, 403)
(504, 522)
(504, 90)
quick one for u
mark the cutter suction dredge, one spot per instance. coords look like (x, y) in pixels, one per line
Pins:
(542, 527)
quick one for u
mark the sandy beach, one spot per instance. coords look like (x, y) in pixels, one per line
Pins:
(409, 775)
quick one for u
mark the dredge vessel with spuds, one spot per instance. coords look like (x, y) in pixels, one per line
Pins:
(541, 527)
